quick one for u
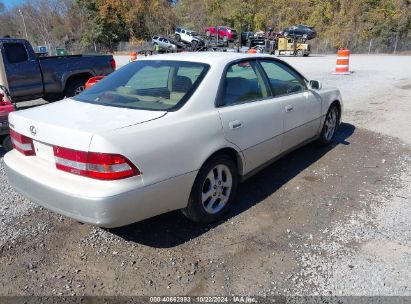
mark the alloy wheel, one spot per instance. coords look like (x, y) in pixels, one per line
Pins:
(216, 189)
(331, 123)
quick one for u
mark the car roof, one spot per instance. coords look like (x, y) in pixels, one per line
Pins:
(211, 58)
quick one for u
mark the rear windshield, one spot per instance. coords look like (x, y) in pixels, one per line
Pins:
(148, 85)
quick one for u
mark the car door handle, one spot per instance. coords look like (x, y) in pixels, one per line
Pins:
(289, 108)
(235, 124)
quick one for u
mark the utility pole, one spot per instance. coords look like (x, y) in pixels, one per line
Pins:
(24, 23)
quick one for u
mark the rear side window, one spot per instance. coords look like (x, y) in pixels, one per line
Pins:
(283, 79)
(243, 83)
(15, 52)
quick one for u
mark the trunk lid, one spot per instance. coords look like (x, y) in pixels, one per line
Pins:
(72, 124)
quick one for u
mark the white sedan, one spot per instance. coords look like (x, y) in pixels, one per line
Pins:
(177, 131)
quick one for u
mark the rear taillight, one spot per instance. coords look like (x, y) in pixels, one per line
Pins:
(94, 165)
(22, 143)
(113, 63)
(93, 80)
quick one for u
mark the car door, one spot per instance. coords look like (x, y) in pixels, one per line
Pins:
(251, 119)
(302, 108)
(22, 71)
(162, 43)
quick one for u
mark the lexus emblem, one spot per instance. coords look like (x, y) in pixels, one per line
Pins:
(33, 130)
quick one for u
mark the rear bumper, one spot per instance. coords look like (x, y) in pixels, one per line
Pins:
(61, 193)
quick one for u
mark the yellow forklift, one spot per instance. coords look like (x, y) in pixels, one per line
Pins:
(293, 46)
(279, 44)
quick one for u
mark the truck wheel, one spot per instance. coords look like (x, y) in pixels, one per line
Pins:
(300, 53)
(194, 44)
(75, 87)
(53, 98)
(6, 143)
(178, 38)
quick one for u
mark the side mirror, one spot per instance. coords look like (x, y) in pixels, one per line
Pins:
(315, 85)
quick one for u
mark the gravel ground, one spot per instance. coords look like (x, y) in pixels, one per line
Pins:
(326, 221)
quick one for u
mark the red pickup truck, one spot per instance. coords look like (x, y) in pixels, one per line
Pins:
(5, 108)
(223, 31)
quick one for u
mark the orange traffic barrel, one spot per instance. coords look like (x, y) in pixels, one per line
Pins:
(252, 51)
(133, 56)
(343, 62)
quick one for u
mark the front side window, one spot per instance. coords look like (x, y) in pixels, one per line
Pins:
(148, 85)
(283, 79)
(243, 83)
(15, 52)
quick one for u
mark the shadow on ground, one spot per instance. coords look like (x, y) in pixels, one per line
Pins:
(172, 229)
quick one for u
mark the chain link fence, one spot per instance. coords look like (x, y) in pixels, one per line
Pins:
(391, 45)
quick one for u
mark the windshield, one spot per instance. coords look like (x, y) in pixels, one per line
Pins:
(148, 85)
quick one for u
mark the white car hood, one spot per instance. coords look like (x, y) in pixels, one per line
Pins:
(72, 124)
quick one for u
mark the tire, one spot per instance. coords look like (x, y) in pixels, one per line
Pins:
(194, 44)
(330, 125)
(300, 53)
(53, 98)
(6, 143)
(214, 190)
(178, 38)
(75, 87)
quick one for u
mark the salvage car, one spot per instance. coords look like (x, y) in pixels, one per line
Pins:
(188, 36)
(300, 31)
(166, 44)
(224, 32)
(180, 131)
(6, 108)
